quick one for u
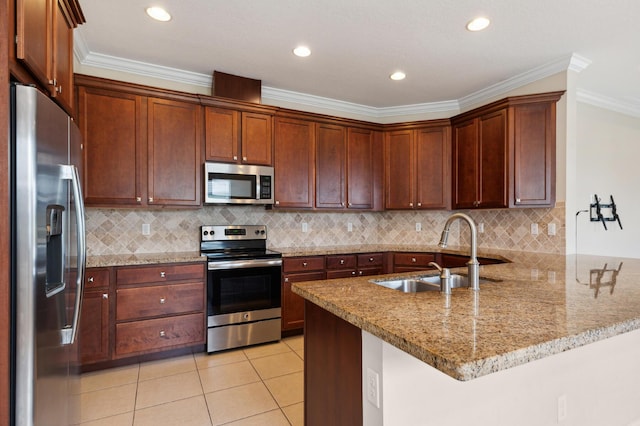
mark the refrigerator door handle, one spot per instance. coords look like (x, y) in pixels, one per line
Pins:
(71, 172)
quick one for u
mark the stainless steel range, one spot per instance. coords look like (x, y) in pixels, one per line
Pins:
(243, 286)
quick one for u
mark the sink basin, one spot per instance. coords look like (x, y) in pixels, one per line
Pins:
(424, 283)
(410, 285)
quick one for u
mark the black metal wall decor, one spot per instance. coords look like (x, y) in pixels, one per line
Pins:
(604, 213)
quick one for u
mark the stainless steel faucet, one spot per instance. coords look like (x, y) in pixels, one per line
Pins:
(473, 266)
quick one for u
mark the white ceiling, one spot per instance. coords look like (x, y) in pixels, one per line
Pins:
(357, 44)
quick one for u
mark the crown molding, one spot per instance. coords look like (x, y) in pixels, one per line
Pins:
(573, 62)
(631, 108)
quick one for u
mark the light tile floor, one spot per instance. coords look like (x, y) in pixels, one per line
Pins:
(260, 385)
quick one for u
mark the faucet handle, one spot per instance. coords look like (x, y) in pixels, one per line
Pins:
(435, 265)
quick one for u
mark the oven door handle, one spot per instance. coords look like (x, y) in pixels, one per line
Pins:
(243, 264)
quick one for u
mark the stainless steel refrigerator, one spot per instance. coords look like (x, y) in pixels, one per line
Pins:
(47, 260)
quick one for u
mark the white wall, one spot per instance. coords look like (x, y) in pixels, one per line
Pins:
(608, 163)
(600, 382)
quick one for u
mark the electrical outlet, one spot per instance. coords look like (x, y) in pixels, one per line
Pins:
(349, 227)
(481, 227)
(534, 229)
(418, 226)
(305, 227)
(551, 229)
(146, 229)
(562, 408)
(373, 387)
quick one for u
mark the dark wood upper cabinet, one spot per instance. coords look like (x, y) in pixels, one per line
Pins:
(294, 163)
(113, 127)
(44, 44)
(330, 168)
(504, 154)
(174, 159)
(241, 137)
(364, 169)
(417, 167)
(139, 150)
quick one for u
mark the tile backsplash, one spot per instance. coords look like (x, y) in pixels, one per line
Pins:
(119, 231)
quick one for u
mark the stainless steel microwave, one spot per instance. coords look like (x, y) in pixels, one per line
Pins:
(237, 184)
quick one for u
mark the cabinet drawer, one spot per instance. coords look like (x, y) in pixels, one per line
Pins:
(157, 334)
(302, 264)
(341, 273)
(160, 273)
(371, 259)
(144, 302)
(96, 278)
(413, 259)
(344, 261)
(309, 276)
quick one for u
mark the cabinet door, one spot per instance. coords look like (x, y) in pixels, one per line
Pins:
(62, 56)
(465, 165)
(257, 139)
(94, 327)
(221, 134)
(330, 166)
(114, 135)
(294, 163)
(534, 155)
(292, 304)
(493, 159)
(433, 168)
(174, 133)
(33, 22)
(361, 169)
(399, 169)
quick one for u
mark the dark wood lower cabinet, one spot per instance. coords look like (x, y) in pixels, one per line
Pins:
(332, 369)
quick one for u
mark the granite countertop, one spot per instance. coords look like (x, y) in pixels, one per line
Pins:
(543, 304)
(144, 259)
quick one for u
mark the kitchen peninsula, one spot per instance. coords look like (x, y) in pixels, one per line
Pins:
(553, 339)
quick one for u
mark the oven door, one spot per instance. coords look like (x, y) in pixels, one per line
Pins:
(243, 286)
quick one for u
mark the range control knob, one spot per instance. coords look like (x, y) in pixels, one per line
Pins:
(262, 232)
(205, 233)
(257, 232)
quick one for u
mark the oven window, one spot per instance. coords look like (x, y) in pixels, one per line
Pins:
(239, 290)
(222, 185)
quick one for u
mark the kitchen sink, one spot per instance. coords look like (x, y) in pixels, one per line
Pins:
(425, 283)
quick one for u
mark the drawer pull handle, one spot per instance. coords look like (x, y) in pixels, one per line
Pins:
(413, 259)
(151, 199)
(342, 261)
(163, 334)
(286, 280)
(235, 158)
(410, 204)
(138, 199)
(360, 272)
(90, 279)
(162, 300)
(105, 296)
(371, 259)
(353, 272)
(304, 264)
(162, 274)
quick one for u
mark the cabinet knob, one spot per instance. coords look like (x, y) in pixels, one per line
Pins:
(371, 259)
(419, 204)
(235, 157)
(244, 158)
(342, 204)
(342, 261)
(304, 264)
(90, 279)
(162, 300)
(151, 199)
(286, 280)
(277, 203)
(350, 204)
(360, 272)
(162, 274)
(353, 272)
(138, 199)
(517, 200)
(105, 296)
(410, 204)
(413, 260)
(162, 333)
(59, 89)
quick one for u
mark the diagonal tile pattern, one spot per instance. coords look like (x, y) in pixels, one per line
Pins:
(260, 385)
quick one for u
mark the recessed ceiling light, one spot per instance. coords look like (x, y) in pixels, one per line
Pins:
(302, 51)
(398, 75)
(478, 24)
(158, 13)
